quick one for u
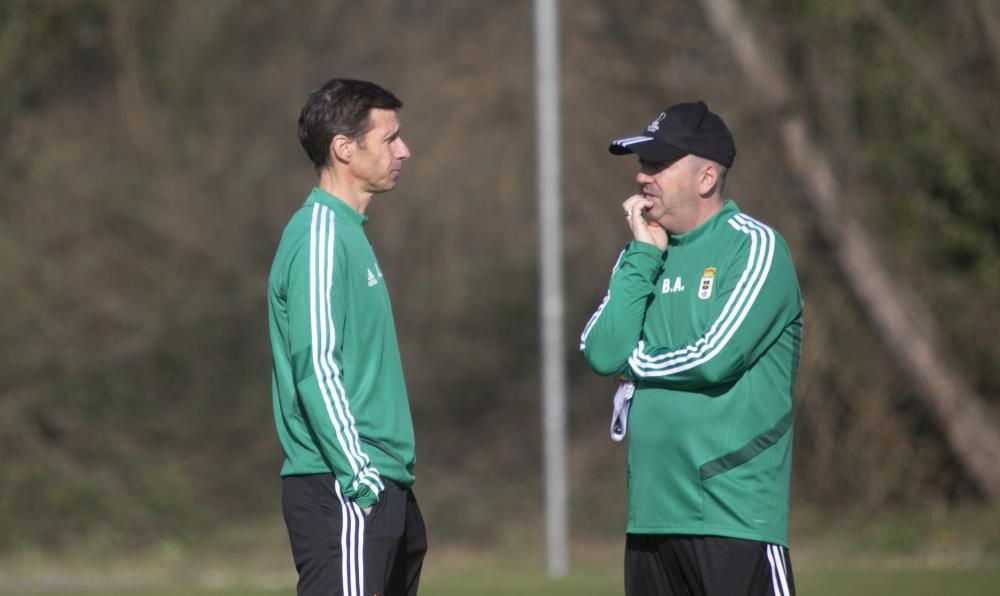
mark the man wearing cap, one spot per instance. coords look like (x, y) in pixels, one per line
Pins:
(702, 323)
(339, 396)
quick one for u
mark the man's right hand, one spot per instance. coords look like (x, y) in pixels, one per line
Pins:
(643, 230)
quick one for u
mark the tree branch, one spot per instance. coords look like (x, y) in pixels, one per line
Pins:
(929, 72)
(907, 331)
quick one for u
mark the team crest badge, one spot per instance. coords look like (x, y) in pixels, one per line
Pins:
(707, 281)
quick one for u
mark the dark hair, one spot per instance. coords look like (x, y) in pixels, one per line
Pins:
(340, 107)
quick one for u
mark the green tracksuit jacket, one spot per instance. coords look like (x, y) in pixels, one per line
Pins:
(340, 402)
(710, 331)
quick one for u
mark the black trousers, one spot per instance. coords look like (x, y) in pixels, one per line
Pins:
(669, 565)
(340, 551)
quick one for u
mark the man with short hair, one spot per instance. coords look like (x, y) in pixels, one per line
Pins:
(340, 402)
(703, 324)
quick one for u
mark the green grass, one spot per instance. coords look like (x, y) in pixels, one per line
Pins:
(923, 552)
(163, 592)
(911, 582)
(827, 583)
(972, 582)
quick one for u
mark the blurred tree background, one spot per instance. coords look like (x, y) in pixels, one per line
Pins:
(149, 160)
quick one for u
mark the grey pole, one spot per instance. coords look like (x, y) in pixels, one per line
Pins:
(551, 285)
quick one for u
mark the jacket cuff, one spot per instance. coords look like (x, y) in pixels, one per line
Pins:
(366, 499)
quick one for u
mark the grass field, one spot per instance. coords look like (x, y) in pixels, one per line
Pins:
(973, 582)
(920, 554)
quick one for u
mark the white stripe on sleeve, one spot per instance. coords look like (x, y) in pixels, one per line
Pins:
(600, 309)
(733, 313)
(321, 267)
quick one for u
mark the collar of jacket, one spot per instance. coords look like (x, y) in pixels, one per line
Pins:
(729, 209)
(340, 208)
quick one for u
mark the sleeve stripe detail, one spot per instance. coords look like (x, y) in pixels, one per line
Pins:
(732, 316)
(328, 376)
(600, 309)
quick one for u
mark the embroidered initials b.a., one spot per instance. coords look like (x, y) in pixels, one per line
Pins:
(668, 287)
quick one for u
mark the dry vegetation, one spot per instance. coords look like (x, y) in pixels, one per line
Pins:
(148, 162)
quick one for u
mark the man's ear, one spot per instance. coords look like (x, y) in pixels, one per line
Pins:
(708, 179)
(342, 148)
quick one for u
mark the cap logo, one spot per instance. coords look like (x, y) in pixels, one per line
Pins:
(655, 124)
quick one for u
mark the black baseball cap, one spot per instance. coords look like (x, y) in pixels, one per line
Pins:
(681, 129)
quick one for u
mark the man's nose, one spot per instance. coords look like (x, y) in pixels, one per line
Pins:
(402, 151)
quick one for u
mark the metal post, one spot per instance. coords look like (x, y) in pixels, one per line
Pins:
(551, 289)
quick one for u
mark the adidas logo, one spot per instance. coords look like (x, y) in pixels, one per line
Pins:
(372, 280)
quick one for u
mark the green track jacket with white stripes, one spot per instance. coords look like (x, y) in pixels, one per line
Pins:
(711, 332)
(340, 402)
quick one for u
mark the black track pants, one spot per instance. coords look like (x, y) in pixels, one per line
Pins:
(339, 551)
(667, 565)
